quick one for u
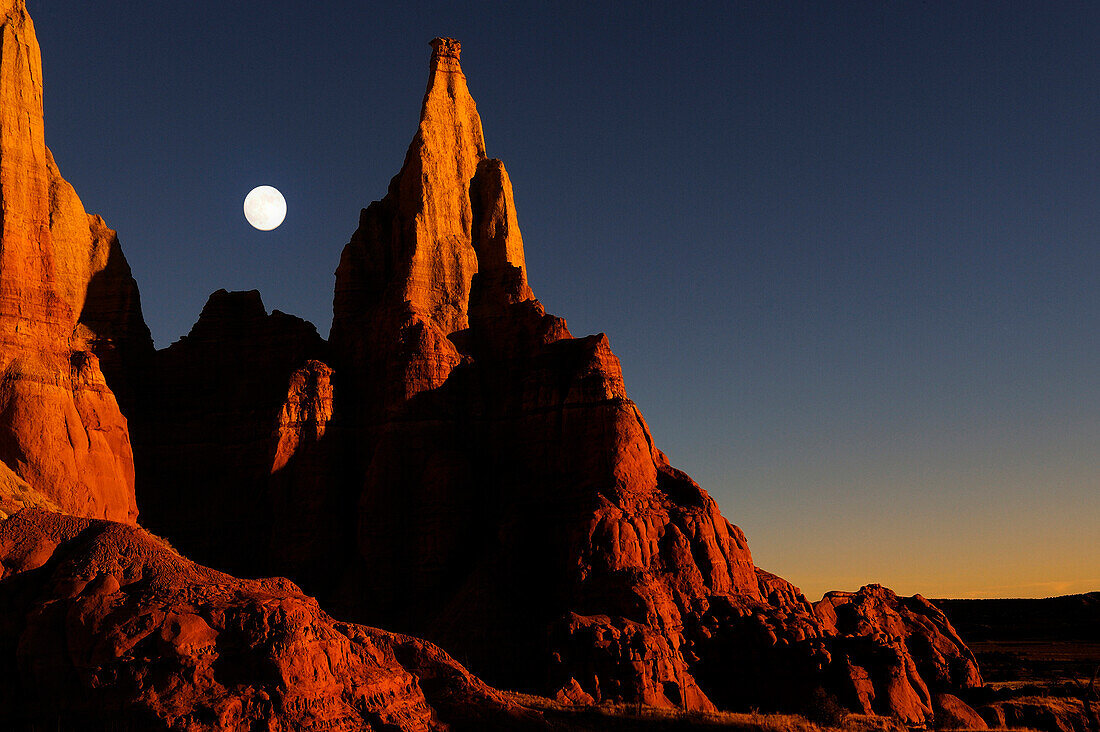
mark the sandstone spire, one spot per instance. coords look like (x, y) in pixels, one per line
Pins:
(418, 248)
(407, 273)
(516, 510)
(66, 298)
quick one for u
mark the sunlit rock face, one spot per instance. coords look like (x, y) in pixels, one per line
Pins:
(901, 654)
(106, 627)
(405, 277)
(69, 312)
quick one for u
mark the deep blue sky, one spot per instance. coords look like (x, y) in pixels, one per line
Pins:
(849, 253)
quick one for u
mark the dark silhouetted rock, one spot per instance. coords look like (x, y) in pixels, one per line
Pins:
(229, 438)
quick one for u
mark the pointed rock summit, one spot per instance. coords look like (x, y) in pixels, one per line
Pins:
(416, 245)
(406, 275)
(69, 311)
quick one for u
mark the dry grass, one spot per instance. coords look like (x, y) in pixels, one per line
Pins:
(614, 717)
(623, 717)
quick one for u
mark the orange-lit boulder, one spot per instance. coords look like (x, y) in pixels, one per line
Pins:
(895, 652)
(106, 627)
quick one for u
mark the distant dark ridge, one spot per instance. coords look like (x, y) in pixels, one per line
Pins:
(1066, 618)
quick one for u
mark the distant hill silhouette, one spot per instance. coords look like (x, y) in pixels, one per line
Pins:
(1066, 618)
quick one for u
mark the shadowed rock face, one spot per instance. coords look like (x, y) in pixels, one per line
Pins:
(67, 305)
(230, 439)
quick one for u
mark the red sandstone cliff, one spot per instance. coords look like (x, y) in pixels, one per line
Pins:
(67, 300)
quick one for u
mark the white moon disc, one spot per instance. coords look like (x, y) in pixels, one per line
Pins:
(265, 208)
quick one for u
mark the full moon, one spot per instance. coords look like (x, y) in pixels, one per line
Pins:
(265, 208)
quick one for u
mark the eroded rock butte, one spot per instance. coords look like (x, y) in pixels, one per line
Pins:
(69, 311)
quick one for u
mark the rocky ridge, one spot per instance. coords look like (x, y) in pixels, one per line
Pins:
(106, 627)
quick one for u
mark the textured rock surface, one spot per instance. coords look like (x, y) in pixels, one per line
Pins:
(1049, 714)
(105, 625)
(953, 713)
(897, 651)
(404, 279)
(511, 503)
(66, 300)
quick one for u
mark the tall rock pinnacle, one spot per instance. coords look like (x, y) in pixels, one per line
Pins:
(66, 299)
(426, 256)
(407, 273)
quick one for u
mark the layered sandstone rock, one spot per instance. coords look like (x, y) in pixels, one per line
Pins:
(896, 652)
(106, 627)
(66, 300)
(405, 278)
(1047, 713)
(953, 713)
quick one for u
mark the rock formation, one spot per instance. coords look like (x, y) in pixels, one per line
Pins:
(453, 464)
(67, 301)
(228, 439)
(106, 627)
(496, 490)
(512, 505)
(405, 278)
(900, 654)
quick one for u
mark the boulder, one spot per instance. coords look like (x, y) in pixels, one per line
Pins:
(107, 627)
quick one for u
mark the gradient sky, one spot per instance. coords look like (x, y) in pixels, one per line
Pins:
(848, 253)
